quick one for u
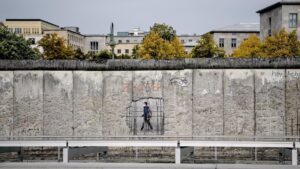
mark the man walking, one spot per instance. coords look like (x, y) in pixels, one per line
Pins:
(147, 116)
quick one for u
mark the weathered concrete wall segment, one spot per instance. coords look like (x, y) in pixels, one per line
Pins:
(245, 102)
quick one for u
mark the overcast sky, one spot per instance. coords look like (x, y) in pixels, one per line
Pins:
(95, 16)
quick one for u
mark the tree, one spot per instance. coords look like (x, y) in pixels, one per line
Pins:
(207, 48)
(160, 43)
(294, 44)
(104, 54)
(135, 53)
(165, 31)
(153, 47)
(55, 47)
(79, 54)
(177, 49)
(277, 45)
(249, 48)
(15, 47)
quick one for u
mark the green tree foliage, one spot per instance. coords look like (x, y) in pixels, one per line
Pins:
(55, 47)
(135, 53)
(104, 54)
(15, 47)
(160, 43)
(251, 47)
(165, 31)
(294, 44)
(79, 54)
(207, 48)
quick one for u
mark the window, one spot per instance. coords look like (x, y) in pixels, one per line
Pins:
(233, 43)
(126, 51)
(31, 41)
(18, 30)
(120, 41)
(182, 41)
(94, 45)
(11, 30)
(127, 41)
(221, 42)
(293, 20)
(119, 51)
(270, 27)
(190, 40)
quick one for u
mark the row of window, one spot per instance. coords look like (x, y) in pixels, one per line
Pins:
(128, 41)
(94, 45)
(24, 30)
(75, 38)
(190, 40)
(119, 51)
(222, 42)
(75, 46)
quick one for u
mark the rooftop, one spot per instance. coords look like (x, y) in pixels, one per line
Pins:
(95, 35)
(279, 4)
(62, 29)
(239, 28)
(32, 20)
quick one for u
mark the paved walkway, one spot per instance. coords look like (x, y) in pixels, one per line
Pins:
(137, 166)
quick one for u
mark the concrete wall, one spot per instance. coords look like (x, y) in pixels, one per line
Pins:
(244, 102)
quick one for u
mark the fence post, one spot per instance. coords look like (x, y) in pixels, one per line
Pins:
(294, 157)
(66, 155)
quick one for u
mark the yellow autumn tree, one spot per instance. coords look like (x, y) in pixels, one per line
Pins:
(280, 44)
(177, 49)
(294, 44)
(276, 45)
(55, 47)
(249, 48)
(159, 44)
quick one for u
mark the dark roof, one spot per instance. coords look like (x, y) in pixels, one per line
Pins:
(95, 35)
(276, 5)
(78, 33)
(32, 20)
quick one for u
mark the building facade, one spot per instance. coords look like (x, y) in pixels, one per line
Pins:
(189, 41)
(95, 43)
(73, 39)
(281, 15)
(30, 29)
(229, 38)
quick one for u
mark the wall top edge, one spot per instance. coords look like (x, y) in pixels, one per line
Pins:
(132, 64)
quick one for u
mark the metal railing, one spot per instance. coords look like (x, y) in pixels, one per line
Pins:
(155, 137)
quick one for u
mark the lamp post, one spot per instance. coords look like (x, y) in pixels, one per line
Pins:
(112, 42)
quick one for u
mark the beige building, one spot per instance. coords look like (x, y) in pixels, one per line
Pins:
(230, 37)
(189, 41)
(72, 37)
(95, 43)
(30, 29)
(34, 30)
(125, 43)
